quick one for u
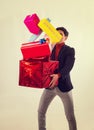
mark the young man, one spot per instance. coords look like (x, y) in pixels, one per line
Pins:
(66, 57)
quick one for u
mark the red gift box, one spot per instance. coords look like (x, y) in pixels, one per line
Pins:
(36, 74)
(35, 49)
(48, 69)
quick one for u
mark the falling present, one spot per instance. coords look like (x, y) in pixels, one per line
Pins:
(31, 22)
(35, 49)
(49, 29)
(36, 74)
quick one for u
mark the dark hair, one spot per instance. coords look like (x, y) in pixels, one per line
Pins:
(64, 30)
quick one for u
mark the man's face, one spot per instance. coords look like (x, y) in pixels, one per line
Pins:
(63, 36)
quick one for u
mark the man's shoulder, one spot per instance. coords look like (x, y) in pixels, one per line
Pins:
(69, 49)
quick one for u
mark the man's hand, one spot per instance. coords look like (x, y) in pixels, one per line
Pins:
(54, 80)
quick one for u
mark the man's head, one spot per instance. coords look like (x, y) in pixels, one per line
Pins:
(63, 31)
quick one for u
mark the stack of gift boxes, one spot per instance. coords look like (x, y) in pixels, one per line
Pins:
(35, 68)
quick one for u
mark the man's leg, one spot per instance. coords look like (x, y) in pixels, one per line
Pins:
(45, 100)
(67, 100)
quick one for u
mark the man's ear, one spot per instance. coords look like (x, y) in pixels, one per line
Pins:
(66, 37)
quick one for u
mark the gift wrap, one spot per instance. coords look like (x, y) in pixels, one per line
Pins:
(36, 74)
(31, 22)
(49, 29)
(35, 49)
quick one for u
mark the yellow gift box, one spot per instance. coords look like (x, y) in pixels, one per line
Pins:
(49, 29)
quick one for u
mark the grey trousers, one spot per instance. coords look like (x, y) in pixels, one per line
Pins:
(67, 100)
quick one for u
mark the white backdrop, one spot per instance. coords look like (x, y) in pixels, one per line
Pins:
(18, 105)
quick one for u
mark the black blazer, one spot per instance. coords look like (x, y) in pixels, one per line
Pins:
(66, 60)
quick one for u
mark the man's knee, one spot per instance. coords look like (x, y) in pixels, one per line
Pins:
(70, 117)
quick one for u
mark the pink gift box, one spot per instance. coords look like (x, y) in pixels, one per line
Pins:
(31, 22)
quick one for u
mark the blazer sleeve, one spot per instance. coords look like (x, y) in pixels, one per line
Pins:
(68, 63)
